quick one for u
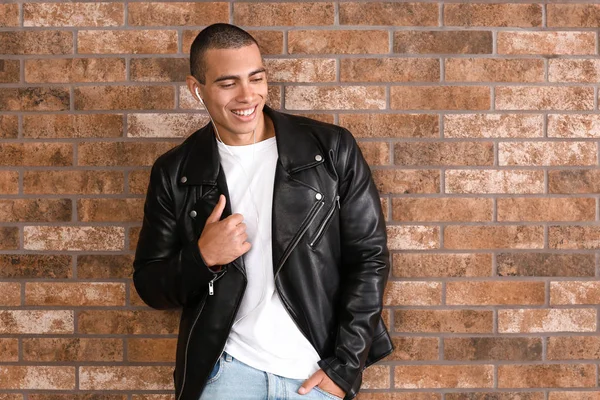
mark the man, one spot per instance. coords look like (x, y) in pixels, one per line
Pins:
(267, 230)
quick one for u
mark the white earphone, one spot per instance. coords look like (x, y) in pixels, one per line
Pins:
(199, 98)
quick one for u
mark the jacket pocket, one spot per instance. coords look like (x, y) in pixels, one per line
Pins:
(323, 227)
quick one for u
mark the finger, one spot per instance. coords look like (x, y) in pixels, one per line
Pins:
(216, 213)
(246, 246)
(240, 229)
(310, 383)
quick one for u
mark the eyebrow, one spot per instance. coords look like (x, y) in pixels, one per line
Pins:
(228, 77)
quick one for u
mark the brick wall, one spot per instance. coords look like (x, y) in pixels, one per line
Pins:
(480, 122)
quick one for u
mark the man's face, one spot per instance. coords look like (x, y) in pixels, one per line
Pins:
(235, 89)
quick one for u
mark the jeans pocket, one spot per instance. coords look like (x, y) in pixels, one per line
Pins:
(216, 371)
(326, 394)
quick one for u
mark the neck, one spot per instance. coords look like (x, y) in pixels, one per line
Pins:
(264, 130)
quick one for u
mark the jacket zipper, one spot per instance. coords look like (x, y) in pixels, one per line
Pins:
(325, 223)
(187, 344)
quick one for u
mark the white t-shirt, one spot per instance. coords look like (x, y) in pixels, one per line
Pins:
(264, 335)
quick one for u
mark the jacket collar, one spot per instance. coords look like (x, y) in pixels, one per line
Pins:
(297, 149)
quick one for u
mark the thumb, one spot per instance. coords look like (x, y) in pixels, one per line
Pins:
(216, 213)
(309, 384)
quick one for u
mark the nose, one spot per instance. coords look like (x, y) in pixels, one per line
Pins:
(245, 93)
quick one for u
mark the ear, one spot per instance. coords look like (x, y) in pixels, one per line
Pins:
(194, 87)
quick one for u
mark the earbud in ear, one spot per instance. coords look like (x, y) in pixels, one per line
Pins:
(199, 98)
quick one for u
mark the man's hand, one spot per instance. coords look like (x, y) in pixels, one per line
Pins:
(221, 242)
(325, 383)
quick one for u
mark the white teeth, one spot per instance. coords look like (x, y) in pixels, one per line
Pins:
(244, 113)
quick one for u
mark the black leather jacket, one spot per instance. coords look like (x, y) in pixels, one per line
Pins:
(330, 256)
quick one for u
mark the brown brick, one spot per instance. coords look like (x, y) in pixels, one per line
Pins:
(34, 99)
(19, 322)
(548, 153)
(9, 182)
(301, 70)
(74, 238)
(573, 16)
(548, 209)
(546, 43)
(283, 14)
(177, 14)
(406, 181)
(445, 42)
(544, 98)
(441, 265)
(391, 125)
(493, 349)
(545, 264)
(390, 70)
(10, 70)
(9, 15)
(585, 71)
(574, 126)
(126, 378)
(128, 322)
(501, 15)
(110, 210)
(9, 126)
(161, 125)
(38, 210)
(338, 42)
(138, 181)
(134, 235)
(153, 397)
(121, 153)
(73, 14)
(454, 321)
(11, 396)
(74, 396)
(496, 396)
(73, 126)
(410, 348)
(575, 292)
(104, 266)
(10, 294)
(72, 349)
(163, 350)
(413, 237)
(9, 351)
(550, 320)
(573, 347)
(494, 70)
(574, 395)
(493, 125)
(134, 297)
(412, 293)
(398, 396)
(547, 375)
(9, 238)
(75, 70)
(124, 97)
(437, 209)
(444, 153)
(440, 98)
(327, 118)
(75, 294)
(36, 154)
(36, 42)
(388, 13)
(494, 237)
(494, 181)
(334, 97)
(33, 266)
(269, 42)
(127, 42)
(376, 153)
(443, 376)
(73, 182)
(376, 377)
(574, 181)
(482, 293)
(574, 237)
(37, 377)
(159, 69)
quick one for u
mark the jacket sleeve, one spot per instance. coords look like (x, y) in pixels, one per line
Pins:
(167, 272)
(364, 269)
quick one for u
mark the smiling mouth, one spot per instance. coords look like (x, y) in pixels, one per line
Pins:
(244, 113)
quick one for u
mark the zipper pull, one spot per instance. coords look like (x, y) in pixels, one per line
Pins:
(337, 199)
(211, 288)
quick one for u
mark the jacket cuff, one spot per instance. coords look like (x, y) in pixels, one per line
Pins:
(349, 379)
(195, 273)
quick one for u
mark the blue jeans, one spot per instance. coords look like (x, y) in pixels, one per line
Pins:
(232, 379)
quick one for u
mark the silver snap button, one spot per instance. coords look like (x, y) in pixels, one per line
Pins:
(193, 214)
(318, 157)
(183, 179)
(319, 196)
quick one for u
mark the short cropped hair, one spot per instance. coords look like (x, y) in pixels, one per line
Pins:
(216, 36)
